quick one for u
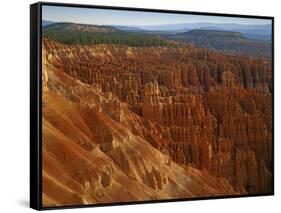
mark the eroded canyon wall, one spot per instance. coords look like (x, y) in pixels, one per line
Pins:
(153, 123)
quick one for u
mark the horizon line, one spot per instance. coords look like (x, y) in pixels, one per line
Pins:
(157, 24)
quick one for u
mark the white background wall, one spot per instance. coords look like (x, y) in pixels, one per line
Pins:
(14, 105)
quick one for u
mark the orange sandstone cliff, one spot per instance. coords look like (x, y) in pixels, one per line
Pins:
(127, 124)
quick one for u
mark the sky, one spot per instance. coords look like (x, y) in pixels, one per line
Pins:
(123, 17)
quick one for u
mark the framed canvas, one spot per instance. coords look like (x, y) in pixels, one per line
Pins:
(133, 105)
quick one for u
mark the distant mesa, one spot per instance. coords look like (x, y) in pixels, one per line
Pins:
(86, 34)
(260, 32)
(227, 41)
(68, 26)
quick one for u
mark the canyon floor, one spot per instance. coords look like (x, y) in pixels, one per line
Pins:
(123, 124)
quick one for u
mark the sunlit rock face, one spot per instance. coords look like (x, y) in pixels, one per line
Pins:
(150, 123)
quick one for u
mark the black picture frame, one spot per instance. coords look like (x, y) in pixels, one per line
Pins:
(36, 102)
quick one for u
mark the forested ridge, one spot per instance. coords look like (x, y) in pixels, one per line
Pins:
(74, 34)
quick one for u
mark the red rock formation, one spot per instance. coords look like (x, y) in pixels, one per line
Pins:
(154, 117)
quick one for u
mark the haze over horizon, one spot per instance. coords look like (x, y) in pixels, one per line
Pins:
(136, 18)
